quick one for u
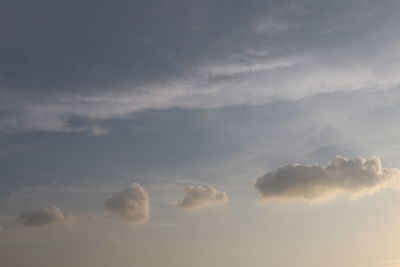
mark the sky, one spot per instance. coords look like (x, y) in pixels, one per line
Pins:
(187, 133)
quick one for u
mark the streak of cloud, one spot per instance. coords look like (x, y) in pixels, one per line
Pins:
(269, 54)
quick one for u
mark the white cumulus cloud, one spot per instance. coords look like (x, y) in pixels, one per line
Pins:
(199, 197)
(132, 204)
(356, 177)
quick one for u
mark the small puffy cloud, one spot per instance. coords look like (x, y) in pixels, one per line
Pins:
(46, 217)
(132, 204)
(199, 197)
(356, 177)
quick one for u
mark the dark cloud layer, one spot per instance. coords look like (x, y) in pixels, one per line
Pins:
(67, 60)
(356, 177)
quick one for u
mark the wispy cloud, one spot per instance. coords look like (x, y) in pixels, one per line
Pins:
(245, 66)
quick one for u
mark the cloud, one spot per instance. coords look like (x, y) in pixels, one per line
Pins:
(200, 197)
(240, 68)
(269, 54)
(46, 217)
(357, 177)
(132, 204)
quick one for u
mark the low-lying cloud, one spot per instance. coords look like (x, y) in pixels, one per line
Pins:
(357, 177)
(46, 217)
(132, 204)
(199, 197)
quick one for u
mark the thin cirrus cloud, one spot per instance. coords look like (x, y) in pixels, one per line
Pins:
(132, 204)
(356, 177)
(199, 197)
(47, 217)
